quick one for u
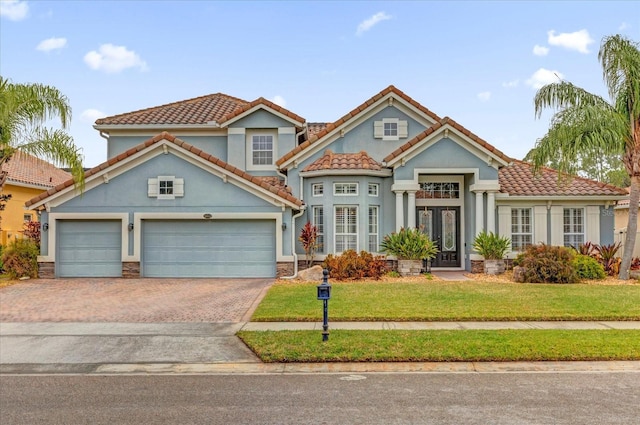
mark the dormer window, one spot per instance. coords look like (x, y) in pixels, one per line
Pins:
(261, 148)
(390, 129)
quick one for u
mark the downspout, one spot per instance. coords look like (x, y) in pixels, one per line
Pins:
(293, 245)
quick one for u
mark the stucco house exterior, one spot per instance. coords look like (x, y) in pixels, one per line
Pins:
(27, 176)
(216, 186)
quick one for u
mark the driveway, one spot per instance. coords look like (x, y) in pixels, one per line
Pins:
(132, 300)
(81, 325)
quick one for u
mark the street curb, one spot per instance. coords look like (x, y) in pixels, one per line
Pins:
(315, 368)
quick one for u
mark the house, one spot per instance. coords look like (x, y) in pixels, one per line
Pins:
(621, 212)
(216, 186)
(27, 176)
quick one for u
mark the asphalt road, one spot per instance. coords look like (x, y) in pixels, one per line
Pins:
(377, 398)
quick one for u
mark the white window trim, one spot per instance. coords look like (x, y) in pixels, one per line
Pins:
(249, 148)
(377, 225)
(401, 126)
(584, 224)
(319, 233)
(531, 224)
(335, 185)
(153, 187)
(335, 227)
(376, 188)
(315, 186)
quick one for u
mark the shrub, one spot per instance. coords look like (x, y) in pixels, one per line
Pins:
(20, 258)
(606, 254)
(351, 266)
(548, 264)
(635, 263)
(491, 246)
(409, 244)
(1, 250)
(309, 240)
(32, 230)
(588, 267)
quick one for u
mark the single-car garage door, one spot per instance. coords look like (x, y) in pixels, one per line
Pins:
(89, 248)
(217, 248)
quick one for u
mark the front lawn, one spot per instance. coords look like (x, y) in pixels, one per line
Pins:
(462, 345)
(451, 301)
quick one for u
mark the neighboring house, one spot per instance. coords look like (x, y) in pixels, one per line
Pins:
(216, 186)
(27, 177)
(621, 211)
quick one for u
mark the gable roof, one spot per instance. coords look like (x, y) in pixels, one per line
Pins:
(256, 104)
(518, 179)
(28, 170)
(255, 181)
(325, 129)
(344, 161)
(446, 121)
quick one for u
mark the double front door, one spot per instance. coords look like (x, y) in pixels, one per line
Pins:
(442, 225)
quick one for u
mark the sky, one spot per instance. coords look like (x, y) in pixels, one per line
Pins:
(478, 62)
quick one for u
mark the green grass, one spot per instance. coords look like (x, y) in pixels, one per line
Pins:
(451, 301)
(462, 345)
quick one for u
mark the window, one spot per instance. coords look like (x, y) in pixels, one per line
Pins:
(317, 189)
(521, 229)
(262, 149)
(373, 229)
(373, 189)
(573, 226)
(437, 190)
(27, 218)
(318, 221)
(390, 129)
(165, 187)
(342, 189)
(346, 225)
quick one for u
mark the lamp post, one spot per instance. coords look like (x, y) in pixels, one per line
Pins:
(324, 294)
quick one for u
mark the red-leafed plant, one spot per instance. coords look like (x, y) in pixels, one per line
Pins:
(606, 254)
(309, 240)
(31, 230)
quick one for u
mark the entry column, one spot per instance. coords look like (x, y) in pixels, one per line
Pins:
(399, 209)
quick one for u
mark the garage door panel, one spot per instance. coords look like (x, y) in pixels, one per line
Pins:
(89, 248)
(219, 248)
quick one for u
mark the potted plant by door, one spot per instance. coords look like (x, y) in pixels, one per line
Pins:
(410, 247)
(493, 248)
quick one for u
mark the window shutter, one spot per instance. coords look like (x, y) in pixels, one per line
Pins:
(378, 129)
(402, 129)
(178, 187)
(152, 188)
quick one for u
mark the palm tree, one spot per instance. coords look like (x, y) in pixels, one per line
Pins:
(585, 122)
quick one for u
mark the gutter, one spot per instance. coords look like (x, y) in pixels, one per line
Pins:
(293, 245)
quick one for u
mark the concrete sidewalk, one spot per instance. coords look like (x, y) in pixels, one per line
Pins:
(312, 326)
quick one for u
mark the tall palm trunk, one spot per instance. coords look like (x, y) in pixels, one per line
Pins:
(632, 227)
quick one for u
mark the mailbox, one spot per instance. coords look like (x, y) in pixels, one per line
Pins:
(324, 289)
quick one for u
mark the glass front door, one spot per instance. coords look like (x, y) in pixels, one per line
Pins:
(442, 225)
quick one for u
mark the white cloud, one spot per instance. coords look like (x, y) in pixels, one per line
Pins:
(91, 115)
(113, 59)
(624, 26)
(511, 84)
(51, 44)
(543, 77)
(578, 40)
(484, 96)
(279, 100)
(367, 24)
(540, 50)
(14, 10)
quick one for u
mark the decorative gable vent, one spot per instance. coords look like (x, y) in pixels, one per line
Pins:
(165, 187)
(390, 129)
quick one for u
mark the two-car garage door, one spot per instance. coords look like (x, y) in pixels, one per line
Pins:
(217, 248)
(170, 248)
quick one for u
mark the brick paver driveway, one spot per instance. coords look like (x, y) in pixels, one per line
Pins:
(131, 300)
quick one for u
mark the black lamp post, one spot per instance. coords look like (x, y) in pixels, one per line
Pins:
(324, 294)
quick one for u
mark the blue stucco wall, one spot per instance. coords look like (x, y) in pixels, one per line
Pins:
(607, 225)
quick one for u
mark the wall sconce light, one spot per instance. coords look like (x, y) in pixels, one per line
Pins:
(45, 226)
(130, 227)
(284, 226)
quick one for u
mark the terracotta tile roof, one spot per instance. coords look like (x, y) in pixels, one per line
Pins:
(199, 110)
(276, 182)
(27, 169)
(260, 101)
(518, 179)
(258, 181)
(344, 161)
(314, 128)
(313, 138)
(446, 121)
